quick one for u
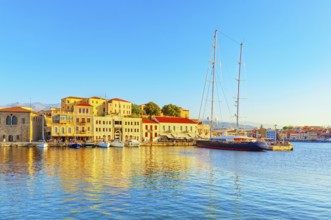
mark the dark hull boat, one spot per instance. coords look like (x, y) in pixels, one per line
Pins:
(75, 145)
(237, 146)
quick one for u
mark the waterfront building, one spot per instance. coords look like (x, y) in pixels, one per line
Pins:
(59, 124)
(67, 103)
(131, 128)
(103, 128)
(119, 107)
(75, 124)
(98, 105)
(19, 124)
(203, 130)
(271, 134)
(149, 130)
(176, 128)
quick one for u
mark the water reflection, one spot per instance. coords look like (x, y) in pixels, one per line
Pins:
(98, 169)
(162, 182)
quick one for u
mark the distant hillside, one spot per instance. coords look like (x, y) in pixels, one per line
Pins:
(37, 106)
(245, 125)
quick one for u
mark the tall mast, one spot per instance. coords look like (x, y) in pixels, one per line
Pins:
(213, 86)
(238, 94)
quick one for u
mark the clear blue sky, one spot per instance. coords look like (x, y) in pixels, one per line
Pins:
(159, 51)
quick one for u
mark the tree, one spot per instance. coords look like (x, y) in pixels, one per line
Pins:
(136, 110)
(152, 109)
(171, 110)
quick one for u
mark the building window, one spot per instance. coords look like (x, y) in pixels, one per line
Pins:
(62, 130)
(55, 129)
(80, 110)
(17, 137)
(88, 120)
(23, 120)
(8, 120)
(69, 130)
(155, 134)
(146, 134)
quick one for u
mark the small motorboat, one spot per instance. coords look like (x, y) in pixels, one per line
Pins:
(132, 143)
(116, 143)
(103, 144)
(75, 145)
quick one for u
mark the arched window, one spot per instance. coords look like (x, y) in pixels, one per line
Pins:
(8, 120)
(14, 120)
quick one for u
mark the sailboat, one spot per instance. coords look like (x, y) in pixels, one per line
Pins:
(43, 144)
(238, 143)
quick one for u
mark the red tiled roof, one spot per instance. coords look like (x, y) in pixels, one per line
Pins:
(148, 121)
(96, 97)
(15, 109)
(83, 104)
(73, 97)
(117, 99)
(174, 120)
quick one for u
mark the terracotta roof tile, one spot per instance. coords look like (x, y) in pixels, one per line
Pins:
(15, 109)
(174, 120)
(148, 121)
(117, 99)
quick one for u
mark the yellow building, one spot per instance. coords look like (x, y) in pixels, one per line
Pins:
(119, 107)
(184, 113)
(19, 124)
(131, 128)
(103, 128)
(176, 128)
(68, 103)
(203, 130)
(110, 127)
(72, 125)
(98, 104)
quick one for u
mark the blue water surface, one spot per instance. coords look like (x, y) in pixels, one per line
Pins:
(165, 183)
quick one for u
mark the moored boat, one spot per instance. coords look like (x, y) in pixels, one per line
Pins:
(116, 143)
(74, 145)
(88, 145)
(280, 146)
(132, 143)
(233, 143)
(103, 144)
(238, 143)
(43, 144)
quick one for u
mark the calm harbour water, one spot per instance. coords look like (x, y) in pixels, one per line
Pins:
(165, 183)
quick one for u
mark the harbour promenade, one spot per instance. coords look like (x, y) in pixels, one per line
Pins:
(63, 144)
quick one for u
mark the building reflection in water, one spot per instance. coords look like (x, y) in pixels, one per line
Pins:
(98, 170)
